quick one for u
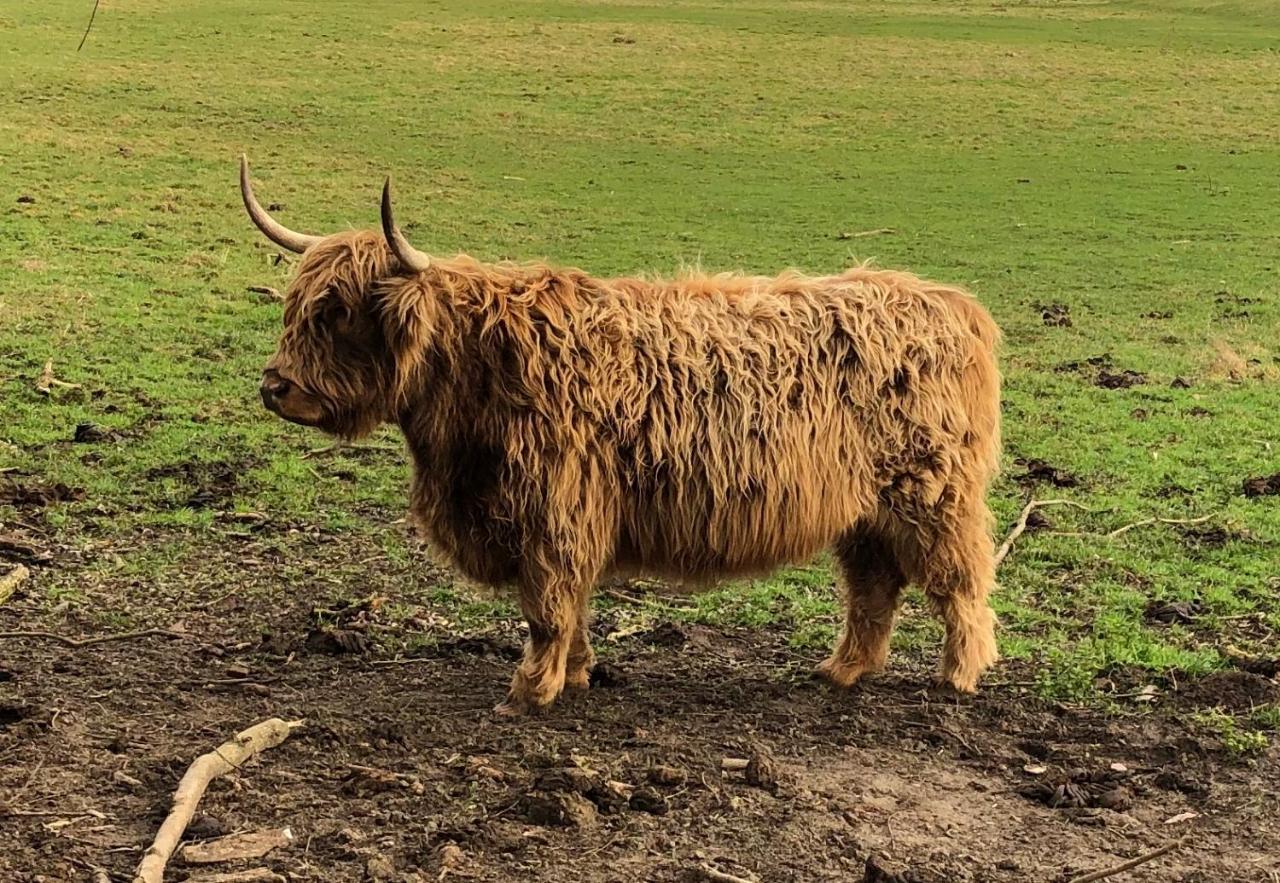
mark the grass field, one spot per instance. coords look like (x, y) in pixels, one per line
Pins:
(1117, 162)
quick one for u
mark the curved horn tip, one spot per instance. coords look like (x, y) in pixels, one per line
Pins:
(270, 227)
(413, 260)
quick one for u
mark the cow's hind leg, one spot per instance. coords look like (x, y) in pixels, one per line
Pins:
(958, 573)
(873, 582)
(552, 611)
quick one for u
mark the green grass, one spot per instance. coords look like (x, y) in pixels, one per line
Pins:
(1118, 158)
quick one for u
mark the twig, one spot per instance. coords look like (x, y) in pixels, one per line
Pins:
(252, 875)
(1020, 525)
(327, 449)
(76, 643)
(46, 382)
(266, 291)
(648, 598)
(721, 877)
(92, 16)
(403, 660)
(879, 231)
(1131, 864)
(1144, 522)
(228, 756)
(734, 763)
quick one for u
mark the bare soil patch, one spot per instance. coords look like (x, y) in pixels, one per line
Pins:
(404, 774)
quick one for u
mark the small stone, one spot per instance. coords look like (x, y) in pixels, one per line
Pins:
(379, 868)
(569, 810)
(566, 779)
(87, 433)
(205, 828)
(120, 777)
(612, 797)
(451, 857)
(666, 776)
(1117, 799)
(650, 801)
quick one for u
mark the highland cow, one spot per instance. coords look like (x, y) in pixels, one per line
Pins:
(565, 427)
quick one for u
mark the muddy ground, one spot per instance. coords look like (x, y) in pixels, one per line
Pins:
(402, 773)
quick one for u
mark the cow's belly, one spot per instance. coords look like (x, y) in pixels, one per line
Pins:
(665, 534)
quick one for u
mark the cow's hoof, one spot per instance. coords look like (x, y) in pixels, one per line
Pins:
(840, 674)
(966, 686)
(580, 680)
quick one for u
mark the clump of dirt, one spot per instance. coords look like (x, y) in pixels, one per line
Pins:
(1267, 667)
(1037, 520)
(1158, 314)
(215, 484)
(1054, 315)
(1230, 690)
(1105, 374)
(1180, 383)
(1123, 379)
(1196, 537)
(1037, 470)
(91, 433)
(1263, 486)
(1092, 363)
(1170, 612)
(1100, 788)
(37, 494)
(23, 550)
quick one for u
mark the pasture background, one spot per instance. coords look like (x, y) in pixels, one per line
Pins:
(1119, 159)
(1117, 162)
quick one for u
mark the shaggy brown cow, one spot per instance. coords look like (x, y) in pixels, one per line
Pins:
(565, 427)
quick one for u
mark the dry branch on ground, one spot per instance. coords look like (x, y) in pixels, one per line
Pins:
(228, 756)
(1129, 865)
(11, 580)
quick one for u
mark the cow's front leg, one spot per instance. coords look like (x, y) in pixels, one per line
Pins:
(581, 657)
(552, 611)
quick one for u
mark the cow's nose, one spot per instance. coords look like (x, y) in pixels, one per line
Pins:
(273, 387)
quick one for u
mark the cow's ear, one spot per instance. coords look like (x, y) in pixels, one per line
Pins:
(408, 313)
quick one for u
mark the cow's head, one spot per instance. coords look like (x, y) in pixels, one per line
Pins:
(341, 364)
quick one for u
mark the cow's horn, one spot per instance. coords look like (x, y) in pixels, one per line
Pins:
(412, 259)
(274, 230)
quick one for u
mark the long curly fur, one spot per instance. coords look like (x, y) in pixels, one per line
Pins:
(564, 427)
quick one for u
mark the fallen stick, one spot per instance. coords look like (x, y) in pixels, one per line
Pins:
(647, 598)
(253, 875)
(1144, 522)
(47, 381)
(76, 643)
(721, 877)
(1129, 865)
(266, 291)
(1020, 526)
(228, 756)
(11, 581)
(734, 764)
(879, 231)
